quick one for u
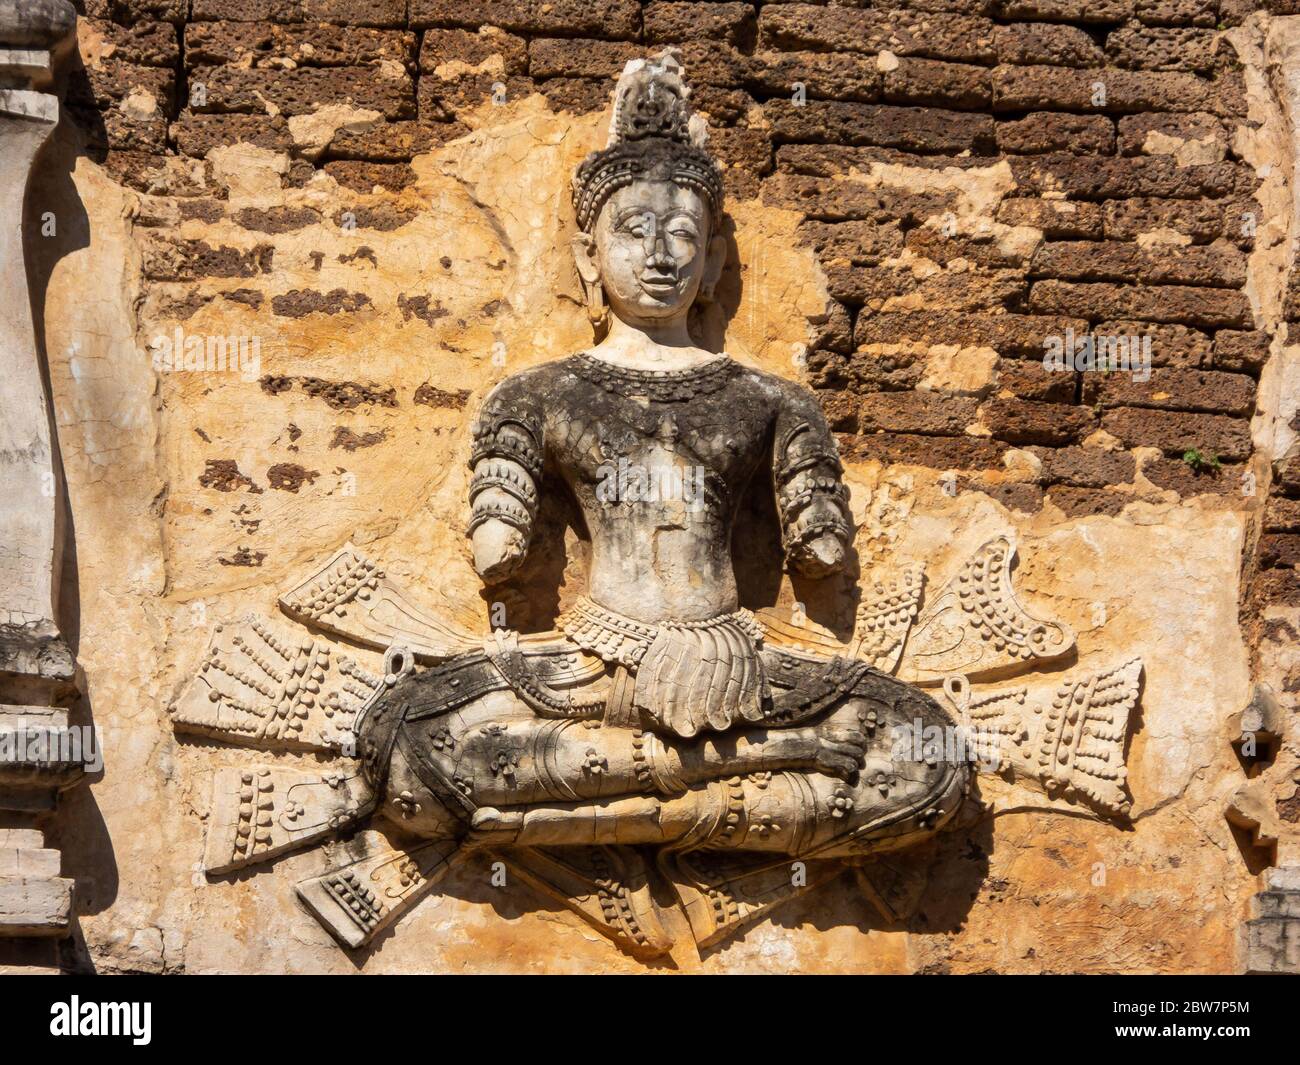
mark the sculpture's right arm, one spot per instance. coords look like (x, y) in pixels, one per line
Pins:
(506, 460)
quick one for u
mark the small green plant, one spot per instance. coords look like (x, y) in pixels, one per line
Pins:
(1199, 462)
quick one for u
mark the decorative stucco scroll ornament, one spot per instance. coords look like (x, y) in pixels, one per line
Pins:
(976, 628)
(660, 732)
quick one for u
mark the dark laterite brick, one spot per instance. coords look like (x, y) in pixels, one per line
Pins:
(1152, 48)
(1109, 91)
(1042, 43)
(1087, 502)
(1171, 345)
(733, 23)
(1099, 11)
(191, 260)
(129, 12)
(917, 129)
(935, 452)
(1282, 515)
(1177, 12)
(260, 43)
(1086, 467)
(1175, 475)
(838, 201)
(1030, 379)
(361, 176)
(1279, 549)
(1026, 498)
(391, 13)
(1211, 308)
(392, 142)
(196, 134)
(1007, 334)
(1156, 133)
(1019, 421)
(1119, 261)
(823, 75)
(861, 243)
(302, 91)
(1109, 179)
(957, 38)
(1200, 221)
(1058, 219)
(1176, 432)
(1046, 131)
(299, 303)
(608, 19)
(926, 413)
(931, 83)
(1241, 352)
(151, 44)
(1174, 388)
(488, 46)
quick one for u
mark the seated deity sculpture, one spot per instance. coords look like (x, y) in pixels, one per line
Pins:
(659, 737)
(653, 715)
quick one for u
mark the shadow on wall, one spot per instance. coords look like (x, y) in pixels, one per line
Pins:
(79, 830)
(932, 888)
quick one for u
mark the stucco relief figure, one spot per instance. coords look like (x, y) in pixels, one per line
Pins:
(660, 734)
(654, 715)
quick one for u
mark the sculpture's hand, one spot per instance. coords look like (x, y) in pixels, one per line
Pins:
(498, 550)
(829, 748)
(840, 750)
(822, 557)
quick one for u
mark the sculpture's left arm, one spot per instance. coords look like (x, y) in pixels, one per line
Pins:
(507, 457)
(816, 527)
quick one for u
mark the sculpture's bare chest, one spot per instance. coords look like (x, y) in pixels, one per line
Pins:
(704, 424)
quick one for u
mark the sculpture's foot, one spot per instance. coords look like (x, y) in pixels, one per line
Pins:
(490, 827)
(887, 810)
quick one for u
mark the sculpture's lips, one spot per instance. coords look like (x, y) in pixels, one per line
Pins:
(659, 282)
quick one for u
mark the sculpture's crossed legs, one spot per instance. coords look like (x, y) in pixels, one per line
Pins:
(536, 782)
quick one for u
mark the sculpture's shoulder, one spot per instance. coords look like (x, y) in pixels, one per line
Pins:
(780, 393)
(534, 388)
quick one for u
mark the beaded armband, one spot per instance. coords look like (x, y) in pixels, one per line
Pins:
(507, 456)
(509, 477)
(508, 432)
(811, 496)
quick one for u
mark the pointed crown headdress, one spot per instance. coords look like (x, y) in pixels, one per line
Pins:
(652, 131)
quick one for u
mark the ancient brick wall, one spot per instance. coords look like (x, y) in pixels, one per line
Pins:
(1116, 120)
(926, 199)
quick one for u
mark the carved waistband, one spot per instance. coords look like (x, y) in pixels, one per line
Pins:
(618, 638)
(690, 675)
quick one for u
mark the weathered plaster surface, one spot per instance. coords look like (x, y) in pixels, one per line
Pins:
(163, 552)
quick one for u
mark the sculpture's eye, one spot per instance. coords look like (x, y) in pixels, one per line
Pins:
(639, 225)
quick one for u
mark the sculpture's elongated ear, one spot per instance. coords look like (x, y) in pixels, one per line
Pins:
(715, 260)
(585, 258)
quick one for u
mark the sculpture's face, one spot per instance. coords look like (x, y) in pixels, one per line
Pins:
(653, 247)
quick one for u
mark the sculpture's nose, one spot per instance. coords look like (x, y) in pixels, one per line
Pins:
(657, 257)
